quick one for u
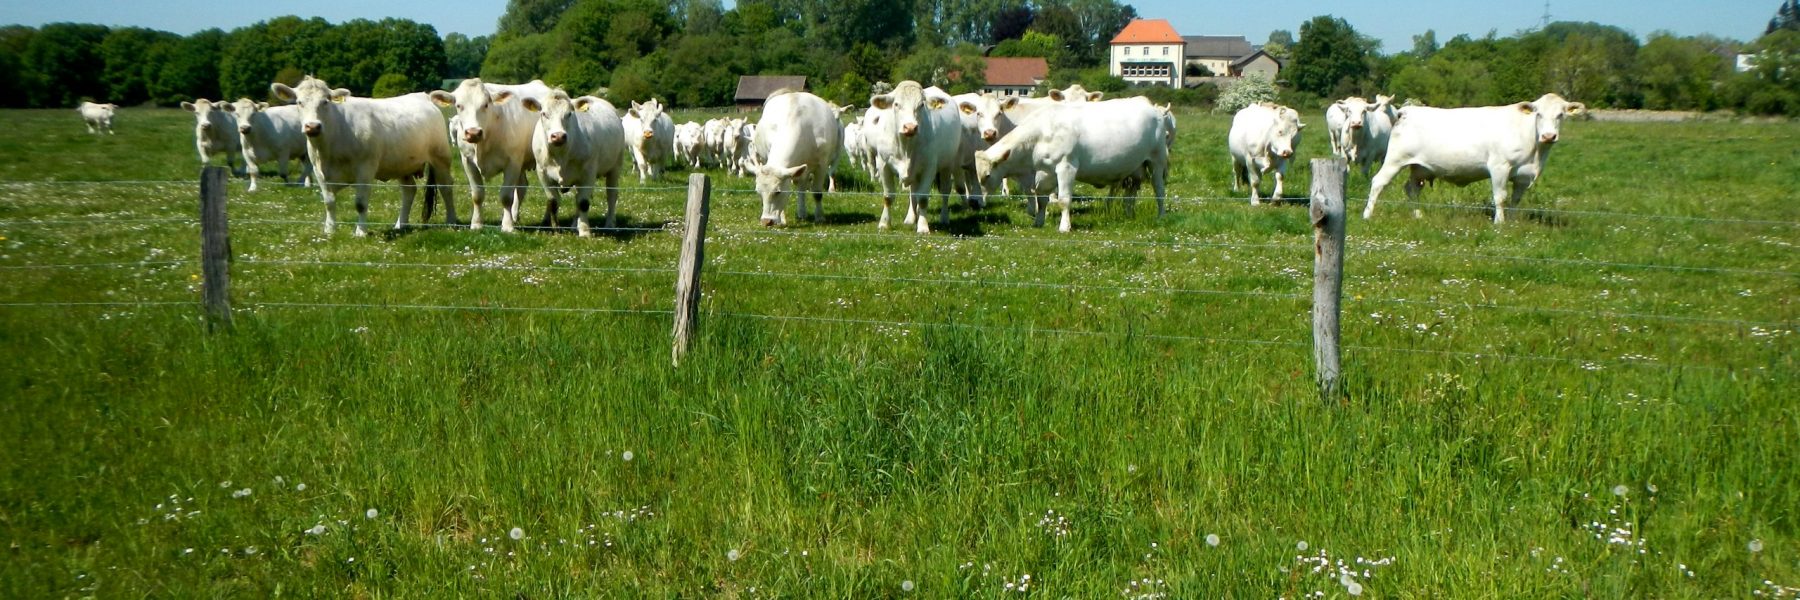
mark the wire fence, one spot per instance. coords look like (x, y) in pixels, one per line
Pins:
(674, 227)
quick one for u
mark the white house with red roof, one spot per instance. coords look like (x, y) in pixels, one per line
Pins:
(1149, 52)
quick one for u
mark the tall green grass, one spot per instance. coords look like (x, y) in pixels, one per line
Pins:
(864, 409)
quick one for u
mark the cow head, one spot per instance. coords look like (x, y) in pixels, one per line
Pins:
(476, 107)
(989, 165)
(1385, 105)
(647, 114)
(908, 104)
(210, 118)
(772, 184)
(243, 108)
(556, 113)
(1548, 111)
(317, 102)
(1284, 136)
(1075, 94)
(1354, 109)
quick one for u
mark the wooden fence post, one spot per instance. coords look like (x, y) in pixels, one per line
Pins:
(1329, 178)
(215, 249)
(693, 257)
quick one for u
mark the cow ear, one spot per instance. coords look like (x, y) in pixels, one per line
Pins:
(187, 106)
(531, 104)
(934, 103)
(1004, 154)
(230, 108)
(1096, 96)
(1056, 95)
(1576, 108)
(1526, 107)
(503, 97)
(796, 171)
(583, 103)
(442, 98)
(340, 95)
(1009, 103)
(881, 102)
(968, 108)
(262, 106)
(282, 91)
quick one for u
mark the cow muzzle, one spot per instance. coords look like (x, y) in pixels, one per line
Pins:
(310, 129)
(1356, 125)
(473, 135)
(989, 135)
(1548, 138)
(243, 129)
(649, 134)
(206, 126)
(558, 138)
(909, 129)
(1286, 153)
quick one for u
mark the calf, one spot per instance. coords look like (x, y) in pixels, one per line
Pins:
(270, 133)
(1359, 129)
(800, 136)
(1115, 143)
(1263, 138)
(214, 131)
(494, 138)
(576, 142)
(1503, 144)
(97, 116)
(357, 141)
(689, 143)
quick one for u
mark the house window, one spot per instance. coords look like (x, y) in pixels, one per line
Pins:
(1128, 50)
(1146, 50)
(1165, 50)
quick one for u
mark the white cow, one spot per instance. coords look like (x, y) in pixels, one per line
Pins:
(689, 143)
(214, 131)
(1503, 144)
(576, 142)
(917, 135)
(357, 141)
(800, 137)
(1106, 144)
(1263, 138)
(494, 138)
(651, 134)
(968, 111)
(746, 133)
(97, 116)
(269, 133)
(1075, 94)
(733, 147)
(1359, 129)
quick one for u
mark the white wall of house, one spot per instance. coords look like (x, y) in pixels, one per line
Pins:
(1141, 64)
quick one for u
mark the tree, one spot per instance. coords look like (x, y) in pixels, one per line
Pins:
(1044, 45)
(1786, 17)
(16, 77)
(67, 58)
(463, 55)
(1678, 73)
(392, 84)
(191, 70)
(1425, 44)
(133, 60)
(1329, 52)
(1280, 45)
(530, 17)
(1011, 22)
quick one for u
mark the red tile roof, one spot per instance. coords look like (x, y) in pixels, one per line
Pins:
(1148, 31)
(1016, 72)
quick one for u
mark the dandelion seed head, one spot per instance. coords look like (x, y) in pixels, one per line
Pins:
(626, 455)
(516, 534)
(1755, 546)
(1620, 490)
(733, 554)
(1302, 546)
(1212, 539)
(372, 513)
(1354, 589)
(906, 586)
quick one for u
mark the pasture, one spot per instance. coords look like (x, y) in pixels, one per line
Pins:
(1596, 399)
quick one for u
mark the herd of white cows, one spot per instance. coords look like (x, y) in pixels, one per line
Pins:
(911, 140)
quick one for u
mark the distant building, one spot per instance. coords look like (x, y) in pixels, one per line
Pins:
(1230, 56)
(1148, 52)
(1015, 76)
(753, 90)
(1745, 63)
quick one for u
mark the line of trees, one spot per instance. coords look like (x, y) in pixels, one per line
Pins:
(690, 53)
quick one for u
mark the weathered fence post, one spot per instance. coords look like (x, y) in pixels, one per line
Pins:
(215, 249)
(693, 257)
(1329, 177)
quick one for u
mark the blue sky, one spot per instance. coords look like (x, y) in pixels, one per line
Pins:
(1393, 21)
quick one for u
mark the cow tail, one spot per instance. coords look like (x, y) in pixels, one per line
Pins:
(431, 190)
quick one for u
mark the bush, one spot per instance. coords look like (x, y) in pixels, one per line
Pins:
(1202, 96)
(1247, 91)
(392, 84)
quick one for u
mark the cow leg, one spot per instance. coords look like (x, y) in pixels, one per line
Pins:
(921, 204)
(205, 158)
(1500, 175)
(584, 201)
(1065, 192)
(946, 183)
(1237, 174)
(512, 192)
(362, 209)
(1253, 177)
(1382, 177)
(1519, 187)
(552, 199)
(1280, 177)
(329, 196)
(612, 197)
(408, 186)
(477, 191)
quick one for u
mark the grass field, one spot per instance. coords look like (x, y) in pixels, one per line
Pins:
(1585, 402)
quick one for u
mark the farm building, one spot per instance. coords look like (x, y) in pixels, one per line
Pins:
(1148, 52)
(1015, 76)
(753, 90)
